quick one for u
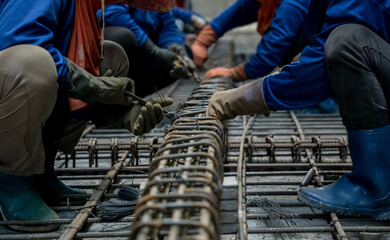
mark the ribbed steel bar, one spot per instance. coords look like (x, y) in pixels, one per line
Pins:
(125, 234)
(241, 179)
(78, 222)
(191, 153)
(335, 221)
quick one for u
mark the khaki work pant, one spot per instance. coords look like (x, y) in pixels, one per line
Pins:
(28, 94)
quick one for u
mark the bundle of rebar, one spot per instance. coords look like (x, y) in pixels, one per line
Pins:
(181, 200)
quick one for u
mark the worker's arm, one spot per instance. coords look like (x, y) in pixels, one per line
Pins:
(301, 84)
(241, 13)
(119, 15)
(168, 32)
(276, 43)
(184, 15)
(275, 46)
(26, 22)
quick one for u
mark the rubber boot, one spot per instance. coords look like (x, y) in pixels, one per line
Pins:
(52, 189)
(19, 200)
(364, 191)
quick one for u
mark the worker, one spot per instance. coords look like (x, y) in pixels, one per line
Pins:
(277, 47)
(53, 80)
(152, 42)
(346, 55)
(280, 25)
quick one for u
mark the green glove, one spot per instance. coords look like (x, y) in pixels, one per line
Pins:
(248, 99)
(90, 89)
(142, 119)
(137, 118)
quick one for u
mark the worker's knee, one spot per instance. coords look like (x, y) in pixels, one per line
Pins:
(31, 66)
(122, 36)
(115, 59)
(345, 41)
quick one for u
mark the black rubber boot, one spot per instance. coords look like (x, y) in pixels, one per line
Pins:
(52, 189)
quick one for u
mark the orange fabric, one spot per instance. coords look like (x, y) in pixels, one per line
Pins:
(266, 14)
(84, 42)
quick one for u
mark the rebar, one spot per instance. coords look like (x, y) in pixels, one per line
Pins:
(185, 180)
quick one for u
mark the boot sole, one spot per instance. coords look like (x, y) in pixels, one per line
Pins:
(378, 214)
(31, 228)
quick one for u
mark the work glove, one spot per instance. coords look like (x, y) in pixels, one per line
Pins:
(165, 58)
(184, 67)
(237, 74)
(198, 22)
(245, 100)
(106, 89)
(158, 56)
(136, 118)
(204, 40)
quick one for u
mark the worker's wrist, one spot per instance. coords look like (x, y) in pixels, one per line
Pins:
(238, 73)
(207, 36)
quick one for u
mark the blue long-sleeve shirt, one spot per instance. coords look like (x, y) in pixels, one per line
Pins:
(305, 83)
(276, 42)
(240, 13)
(160, 27)
(182, 14)
(47, 24)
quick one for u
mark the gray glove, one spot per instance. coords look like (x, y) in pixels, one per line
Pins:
(137, 118)
(90, 89)
(248, 99)
(198, 22)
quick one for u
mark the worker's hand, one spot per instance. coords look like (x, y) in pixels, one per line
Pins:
(183, 66)
(157, 55)
(245, 100)
(237, 74)
(204, 40)
(180, 70)
(217, 72)
(142, 119)
(198, 22)
(136, 118)
(106, 89)
(178, 49)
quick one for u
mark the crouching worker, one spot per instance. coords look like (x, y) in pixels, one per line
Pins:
(153, 45)
(53, 80)
(353, 66)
